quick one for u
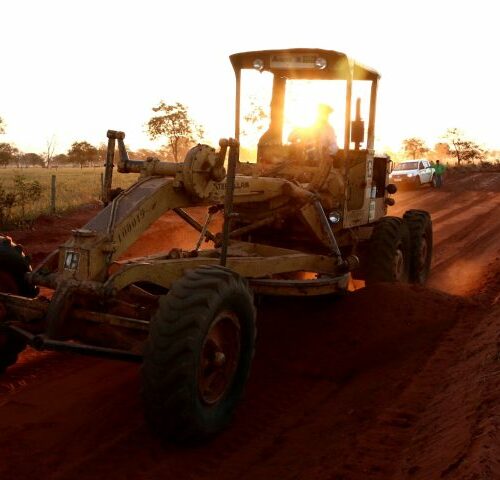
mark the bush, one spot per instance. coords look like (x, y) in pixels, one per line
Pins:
(25, 192)
(7, 201)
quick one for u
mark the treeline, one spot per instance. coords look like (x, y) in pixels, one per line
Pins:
(454, 147)
(170, 122)
(80, 154)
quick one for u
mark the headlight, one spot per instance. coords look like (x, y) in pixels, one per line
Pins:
(334, 217)
(258, 64)
(411, 174)
(320, 63)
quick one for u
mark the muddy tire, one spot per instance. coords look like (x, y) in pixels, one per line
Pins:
(14, 264)
(198, 354)
(389, 252)
(10, 347)
(420, 226)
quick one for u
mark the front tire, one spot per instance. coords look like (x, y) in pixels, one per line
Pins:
(198, 354)
(388, 252)
(14, 264)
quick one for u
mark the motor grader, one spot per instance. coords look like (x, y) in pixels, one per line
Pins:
(295, 223)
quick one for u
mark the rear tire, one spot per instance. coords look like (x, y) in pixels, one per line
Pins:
(14, 264)
(198, 354)
(420, 226)
(388, 252)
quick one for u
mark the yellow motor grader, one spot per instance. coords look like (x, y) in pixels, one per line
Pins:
(296, 221)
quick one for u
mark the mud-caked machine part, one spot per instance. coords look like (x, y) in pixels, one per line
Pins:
(198, 354)
(420, 227)
(389, 252)
(14, 264)
(202, 166)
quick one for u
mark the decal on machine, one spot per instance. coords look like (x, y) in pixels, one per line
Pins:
(221, 187)
(131, 224)
(71, 260)
(240, 188)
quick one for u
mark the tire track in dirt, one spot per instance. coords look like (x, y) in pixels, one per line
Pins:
(384, 442)
(462, 413)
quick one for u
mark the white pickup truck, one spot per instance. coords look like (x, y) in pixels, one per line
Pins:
(412, 173)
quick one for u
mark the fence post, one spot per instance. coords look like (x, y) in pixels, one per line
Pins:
(53, 195)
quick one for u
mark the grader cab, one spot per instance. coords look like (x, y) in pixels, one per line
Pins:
(297, 220)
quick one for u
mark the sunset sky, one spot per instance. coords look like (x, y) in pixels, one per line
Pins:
(76, 69)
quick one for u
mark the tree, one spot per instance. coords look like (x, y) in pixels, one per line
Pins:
(7, 153)
(256, 118)
(174, 123)
(32, 159)
(49, 150)
(442, 149)
(462, 149)
(415, 147)
(82, 153)
(102, 152)
(60, 159)
(144, 154)
(2, 125)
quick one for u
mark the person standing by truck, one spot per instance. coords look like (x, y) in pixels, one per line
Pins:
(439, 170)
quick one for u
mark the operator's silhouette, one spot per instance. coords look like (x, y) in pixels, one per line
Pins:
(321, 134)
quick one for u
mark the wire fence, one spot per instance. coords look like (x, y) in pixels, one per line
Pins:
(62, 189)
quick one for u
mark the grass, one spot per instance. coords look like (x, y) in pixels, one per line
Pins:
(74, 187)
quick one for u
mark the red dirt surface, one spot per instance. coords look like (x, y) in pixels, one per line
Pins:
(389, 382)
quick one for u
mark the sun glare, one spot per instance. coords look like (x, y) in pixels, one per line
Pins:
(302, 99)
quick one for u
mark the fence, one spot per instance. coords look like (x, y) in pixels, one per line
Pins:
(53, 192)
(62, 189)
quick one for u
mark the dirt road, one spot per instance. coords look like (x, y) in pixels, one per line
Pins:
(391, 382)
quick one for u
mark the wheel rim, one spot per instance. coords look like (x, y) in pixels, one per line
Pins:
(399, 264)
(219, 357)
(8, 283)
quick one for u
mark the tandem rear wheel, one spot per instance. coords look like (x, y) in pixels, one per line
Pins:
(399, 250)
(388, 257)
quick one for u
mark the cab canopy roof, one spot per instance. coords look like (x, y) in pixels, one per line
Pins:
(304, 63)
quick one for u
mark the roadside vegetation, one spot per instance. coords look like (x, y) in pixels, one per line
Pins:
(26, 193)
(26, 187)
